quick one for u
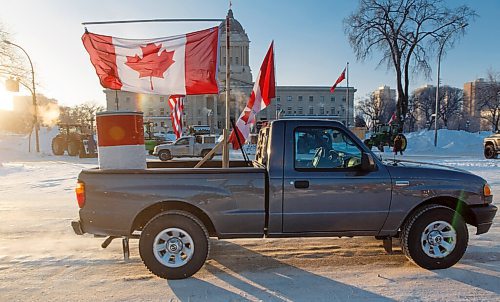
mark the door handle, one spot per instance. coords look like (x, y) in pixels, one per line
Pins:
(301, 184)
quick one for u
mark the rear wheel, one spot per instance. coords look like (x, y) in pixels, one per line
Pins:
(368, 143)
(205, 152)
(404, 142)
(74, 148)
(174, 245)
(164, 155)
(434, 237)
(489, 152)
(58, 146)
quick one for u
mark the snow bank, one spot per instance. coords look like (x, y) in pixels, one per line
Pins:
(16, 146)
(450, 142)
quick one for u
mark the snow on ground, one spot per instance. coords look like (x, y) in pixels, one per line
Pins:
(42, 259)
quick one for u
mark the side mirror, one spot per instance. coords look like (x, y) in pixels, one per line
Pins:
(367, 162)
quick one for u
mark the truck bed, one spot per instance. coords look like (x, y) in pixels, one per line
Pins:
(118, 202)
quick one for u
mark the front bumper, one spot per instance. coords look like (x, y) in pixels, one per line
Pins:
(484, 217)
(77, 227)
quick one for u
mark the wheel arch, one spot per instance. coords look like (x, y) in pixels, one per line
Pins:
(451, 202)
(151, 211)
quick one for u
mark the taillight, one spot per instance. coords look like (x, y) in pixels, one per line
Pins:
(80, 193)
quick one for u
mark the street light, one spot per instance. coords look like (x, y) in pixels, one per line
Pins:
(33, 93)
(438, 75)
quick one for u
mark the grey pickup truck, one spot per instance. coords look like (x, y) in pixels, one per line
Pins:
(309, 178)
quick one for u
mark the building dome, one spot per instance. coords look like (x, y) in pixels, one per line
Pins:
(234, 25)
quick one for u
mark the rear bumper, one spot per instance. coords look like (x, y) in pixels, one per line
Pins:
(484, 217)
(77, 227)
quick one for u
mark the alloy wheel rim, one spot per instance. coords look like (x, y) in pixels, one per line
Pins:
(438, 239)
(173, 247)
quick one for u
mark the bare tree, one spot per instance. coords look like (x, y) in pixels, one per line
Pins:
(12, 63)
(450, 104)
(372, 110)
(80, 114)
(406, 33)
(488, 96)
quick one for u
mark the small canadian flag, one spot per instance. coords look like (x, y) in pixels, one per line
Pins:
(179, 65)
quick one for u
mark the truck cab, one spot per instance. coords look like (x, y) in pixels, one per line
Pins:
(186, 146)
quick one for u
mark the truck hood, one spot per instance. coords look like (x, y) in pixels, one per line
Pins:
(401, 169)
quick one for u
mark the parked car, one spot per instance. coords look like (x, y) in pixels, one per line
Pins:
(309, 178)
(187, 146)
(492, 145)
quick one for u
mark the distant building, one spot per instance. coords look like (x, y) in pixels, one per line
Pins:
(472, 102)
(385, 95)
(210, 109)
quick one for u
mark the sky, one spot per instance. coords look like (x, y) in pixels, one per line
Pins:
(310, 45)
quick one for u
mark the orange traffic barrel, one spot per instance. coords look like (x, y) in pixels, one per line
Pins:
(120, 140)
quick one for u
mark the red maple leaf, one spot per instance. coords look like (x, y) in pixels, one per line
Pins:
(153, 62)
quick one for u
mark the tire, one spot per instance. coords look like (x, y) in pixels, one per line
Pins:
(188, 241)
(489, 152)
(425, 232)
(205, 152)
(164, 155)
(58, 146)
(404, 143)
(368, 143)
(74, 148)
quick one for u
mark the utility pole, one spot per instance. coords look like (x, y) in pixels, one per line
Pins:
(33, 94)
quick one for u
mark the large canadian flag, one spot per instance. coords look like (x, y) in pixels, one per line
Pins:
(179, 65)
(263, 91)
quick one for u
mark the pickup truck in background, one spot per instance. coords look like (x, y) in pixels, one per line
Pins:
(492, 145)
(309, 178)
(187, 146)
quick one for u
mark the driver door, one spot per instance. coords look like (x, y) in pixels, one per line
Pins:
(182, 147)
(331, 194)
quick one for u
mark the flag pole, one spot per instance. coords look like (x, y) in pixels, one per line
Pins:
(347, 96)
(225, 146)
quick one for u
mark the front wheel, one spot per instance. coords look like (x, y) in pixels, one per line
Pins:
(434, 237)
(174, 245)
(489, 152)
(164, 155)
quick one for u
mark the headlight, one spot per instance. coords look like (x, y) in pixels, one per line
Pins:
(486, 190)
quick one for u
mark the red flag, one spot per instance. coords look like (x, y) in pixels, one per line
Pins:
(180, 65)
(176, 103)
(263, 91)
(392, 119)
(340, 79)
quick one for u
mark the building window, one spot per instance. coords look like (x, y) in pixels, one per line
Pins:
(333, 110)
(311, 110)
(322, 99)
(128, 99)
(300, 110)
(289, 110)
(278, 107)
(199, 111)
(237, 60)
(289, 98)
(224, 61)
(343, 99)
(311, 98)
(322, 110)
(278, 99)
(332, 99)
(162, 111)
(300, 98)
(151, 111)
(162, 124)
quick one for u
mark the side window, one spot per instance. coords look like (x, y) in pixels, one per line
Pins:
(325, 148)
(184, 141)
